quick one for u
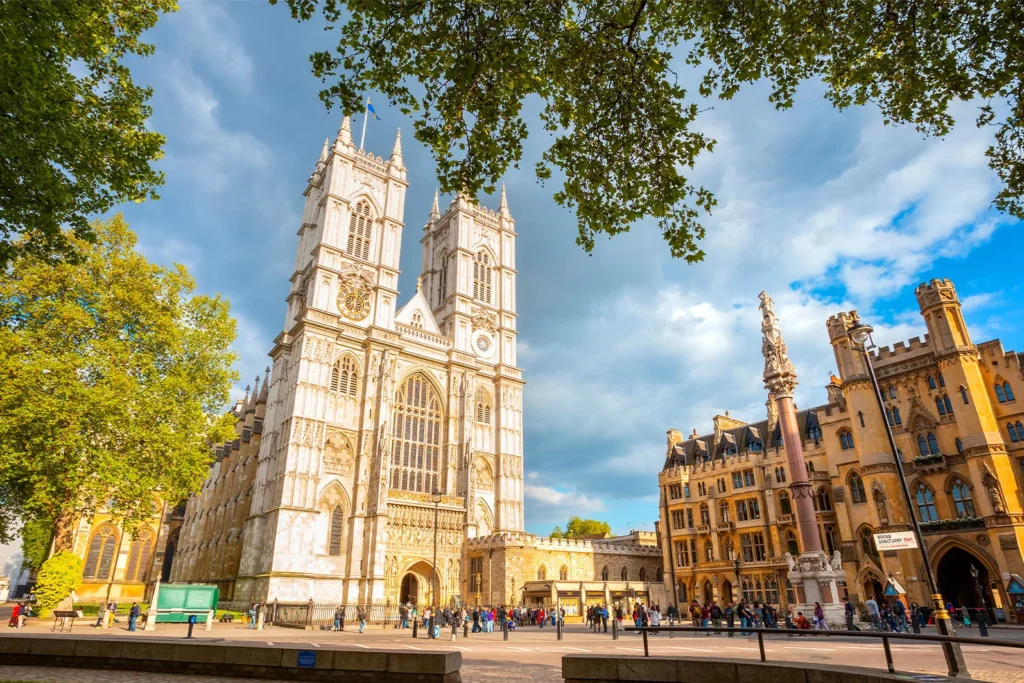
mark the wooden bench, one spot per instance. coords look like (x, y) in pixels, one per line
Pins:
(64, 615)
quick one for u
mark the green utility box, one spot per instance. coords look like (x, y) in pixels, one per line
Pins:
(177, 602)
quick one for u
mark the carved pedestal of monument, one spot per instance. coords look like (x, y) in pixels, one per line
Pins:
(816, 578)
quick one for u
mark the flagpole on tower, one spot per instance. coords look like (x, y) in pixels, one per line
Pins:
(366, 115)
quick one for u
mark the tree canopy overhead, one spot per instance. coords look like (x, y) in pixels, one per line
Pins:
(577, 528)
(111, 368)
(73, 136)
(623, 126)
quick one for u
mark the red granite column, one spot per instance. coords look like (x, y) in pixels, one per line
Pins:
(799, 487)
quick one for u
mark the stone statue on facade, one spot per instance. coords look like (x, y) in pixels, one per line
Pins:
(995, 494)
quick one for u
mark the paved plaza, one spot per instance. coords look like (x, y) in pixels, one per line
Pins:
(533, 654)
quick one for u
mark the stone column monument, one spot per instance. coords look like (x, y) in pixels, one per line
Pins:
(814, 575)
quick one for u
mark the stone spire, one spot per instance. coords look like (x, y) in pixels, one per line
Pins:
(266, 386)
(240, 407)
(344, 138)
(435, 212)
(323, 152)
(779, 375)
(503, 206)
(396, 151)
(251, 405)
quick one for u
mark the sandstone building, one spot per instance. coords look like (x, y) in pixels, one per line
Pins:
(369, 409)
(727, 518)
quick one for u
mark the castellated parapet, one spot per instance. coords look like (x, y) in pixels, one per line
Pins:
(934, 292)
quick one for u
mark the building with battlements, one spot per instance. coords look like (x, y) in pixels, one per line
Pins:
(374, 421)
(956, 411)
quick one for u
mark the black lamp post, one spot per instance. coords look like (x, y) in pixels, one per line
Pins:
(983, 612)
(435, 497)
(860, 335)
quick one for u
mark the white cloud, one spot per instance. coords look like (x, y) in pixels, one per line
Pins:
(209, 33)
(548, 506)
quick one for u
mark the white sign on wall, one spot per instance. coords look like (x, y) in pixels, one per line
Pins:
(897, 540)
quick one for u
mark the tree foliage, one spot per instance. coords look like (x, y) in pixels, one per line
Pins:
(622, 123)
(577, 528)
(73, 139)
(58, 576)
(36, 536)
(111, 368)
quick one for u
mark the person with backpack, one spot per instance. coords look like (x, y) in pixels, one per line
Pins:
(730, 617)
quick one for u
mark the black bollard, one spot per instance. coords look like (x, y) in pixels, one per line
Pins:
(558, 626)
(615, 629)
(982, 623)
(415, 624)
(465, 628)
(455, 630)
(504, 630)
(430, 627)
(191, 623)
(915, 621)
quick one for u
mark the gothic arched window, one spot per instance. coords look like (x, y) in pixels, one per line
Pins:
(705, 514)
(139, 556)
(814, 432)
(730, 549)
(1012, 432)
(1020, 431)
(962, 500)
(963, 394)
(896, 416)
(959, 445)
(926, 511)
(1008, 391)
(417, 320)
(723, 511)
(563, 573)
(337, 531)
(482, 276)
(948, 404)
(643, 574)
(939, 406)
(604, 573)
(846, 439)
(922, 445)
(483, 406)
(709, 551)
(892, 391)
(344, 377)
(542, 573)
(416, 449)
(792, 546)
(99, 559)
(857, 492)
(931, 382)
(933, 444)
(624, 574)
(867, 543)
(823, 501)
(785, 508)
(360, 229)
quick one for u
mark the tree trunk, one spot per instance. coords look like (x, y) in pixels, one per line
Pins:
(64, 531)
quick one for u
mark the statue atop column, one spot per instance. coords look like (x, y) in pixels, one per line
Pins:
(815, 576)
(779, 374)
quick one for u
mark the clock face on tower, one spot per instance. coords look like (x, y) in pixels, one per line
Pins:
(354, 304)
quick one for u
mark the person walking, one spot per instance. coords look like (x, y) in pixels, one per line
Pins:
(874, 614)
(101, 615)
(15, 621)
(730, 617)
(848, 610)
(361, 616)
(716, 616)
(339, 618)
(133, 615)
(819, 617)
(899, 613)
(604, 617)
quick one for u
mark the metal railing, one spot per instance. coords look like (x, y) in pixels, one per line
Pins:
(315, 615)
(883, 635)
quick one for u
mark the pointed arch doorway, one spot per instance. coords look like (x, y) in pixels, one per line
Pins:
(726, 592)
(953, 574)
(415, 587)
(410, 589)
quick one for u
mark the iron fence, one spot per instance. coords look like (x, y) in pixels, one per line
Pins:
(884, 636)
(321, 614)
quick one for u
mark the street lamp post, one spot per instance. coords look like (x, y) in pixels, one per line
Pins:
(435, 497)
(860, 335)
(983, 612)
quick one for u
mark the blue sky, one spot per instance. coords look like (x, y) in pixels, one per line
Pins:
(827, 211)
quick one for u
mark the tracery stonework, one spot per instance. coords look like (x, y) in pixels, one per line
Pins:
(370, 408)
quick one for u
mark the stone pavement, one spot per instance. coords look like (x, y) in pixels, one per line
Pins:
(533, 655)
